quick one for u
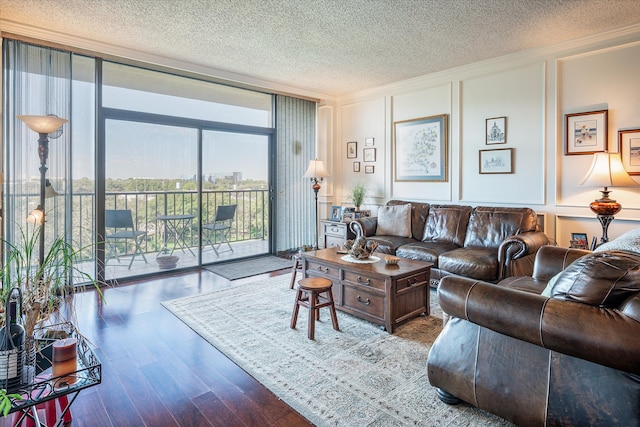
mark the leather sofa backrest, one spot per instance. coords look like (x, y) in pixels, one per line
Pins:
(447, 223)
(490, 226)
(419, 213)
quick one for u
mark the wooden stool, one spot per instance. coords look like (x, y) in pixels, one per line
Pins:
(309, 295)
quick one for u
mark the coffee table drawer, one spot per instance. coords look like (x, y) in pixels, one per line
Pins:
(324, 270)
(363, 280)
(363, 301)
(412, 281)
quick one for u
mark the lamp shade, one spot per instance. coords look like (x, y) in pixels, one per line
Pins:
(316, 169)
(36, 216)
(43, 124)
(607, 171)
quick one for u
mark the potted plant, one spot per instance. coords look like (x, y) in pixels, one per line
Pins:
(357, 195)
(46, 289)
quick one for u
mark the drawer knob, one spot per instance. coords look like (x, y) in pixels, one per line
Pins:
(364, 282)
(324, 270)
(364, 302)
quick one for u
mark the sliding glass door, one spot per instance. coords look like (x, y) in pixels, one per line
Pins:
(151, 197)
(235, 182)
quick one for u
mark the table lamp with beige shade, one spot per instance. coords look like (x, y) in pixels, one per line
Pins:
(606, 171)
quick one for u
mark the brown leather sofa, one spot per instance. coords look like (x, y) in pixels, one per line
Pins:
(568, 359)
(485, 243)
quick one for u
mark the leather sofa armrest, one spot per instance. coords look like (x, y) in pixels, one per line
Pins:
(551, 260)
(600, 335)
(516, 247)
(365, 226)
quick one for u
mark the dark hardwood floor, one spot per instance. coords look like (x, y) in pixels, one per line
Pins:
(157, 372)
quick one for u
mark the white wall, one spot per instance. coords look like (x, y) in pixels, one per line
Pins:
(534, 90)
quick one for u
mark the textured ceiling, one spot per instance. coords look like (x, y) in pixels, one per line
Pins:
(332, 47)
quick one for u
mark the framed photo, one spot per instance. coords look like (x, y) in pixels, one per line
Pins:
(368, 142)
(368, 169)
(336, 213)
(629, 146)
(369, 154)
(496, 161)
(586, 133)
(579, 240)
(496, 131)
(420, 149)
(352, 150)
(348, 216)
(356, 166)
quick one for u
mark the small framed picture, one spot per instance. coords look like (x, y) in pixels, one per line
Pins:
(496, 161)
(629, 141)
(368, 142)
(356, 166)
(496, 130)
(336, 213)
(352, 149)
(586, 133)
(579, 240)
(369, 154)
(348, 216)
(369, 169)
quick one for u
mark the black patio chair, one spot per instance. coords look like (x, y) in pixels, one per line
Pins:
(221, 226)
(119, 226)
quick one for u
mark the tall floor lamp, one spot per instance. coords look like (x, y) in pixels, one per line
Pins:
(606, 171)
(43, 125)
(316, 173)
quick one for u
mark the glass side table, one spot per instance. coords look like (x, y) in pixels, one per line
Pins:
(47, 388)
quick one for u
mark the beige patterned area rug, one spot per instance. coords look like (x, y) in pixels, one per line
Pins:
(358, 376)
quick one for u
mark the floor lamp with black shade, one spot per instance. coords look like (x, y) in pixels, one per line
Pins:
(43, 125)
(316, 173)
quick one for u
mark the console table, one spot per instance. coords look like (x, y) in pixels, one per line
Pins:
(383, 294)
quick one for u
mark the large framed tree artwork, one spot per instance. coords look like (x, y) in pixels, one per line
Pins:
(420, 149)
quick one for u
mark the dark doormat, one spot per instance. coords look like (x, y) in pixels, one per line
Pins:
(250, 267)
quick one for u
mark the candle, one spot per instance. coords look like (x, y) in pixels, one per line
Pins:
(65, 359)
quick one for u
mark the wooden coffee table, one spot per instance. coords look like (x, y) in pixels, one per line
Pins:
(383, 294)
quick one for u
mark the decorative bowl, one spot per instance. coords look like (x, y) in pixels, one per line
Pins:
(391, 260)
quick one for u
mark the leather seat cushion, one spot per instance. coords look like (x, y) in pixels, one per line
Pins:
(425, 251)
(389, 244)
(604, 279)
(477, 263)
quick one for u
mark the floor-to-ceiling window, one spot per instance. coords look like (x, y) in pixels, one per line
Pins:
(166, 149)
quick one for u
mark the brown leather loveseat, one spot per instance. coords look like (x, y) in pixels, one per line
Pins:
(485, 243)
(567, 357)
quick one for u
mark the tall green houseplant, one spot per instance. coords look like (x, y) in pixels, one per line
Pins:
(357, 195)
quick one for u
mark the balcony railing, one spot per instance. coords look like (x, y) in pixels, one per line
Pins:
(251, 219)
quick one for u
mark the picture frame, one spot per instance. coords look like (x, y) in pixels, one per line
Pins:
(369, 154)
(579, 241)
(495, 130)
(420, 149)
(496, 161)
(629, 147)
(335, 213)
(369, 169)
(368, 142)
(352, 149)
(348, 216)
(586, 133)
(356, 166)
